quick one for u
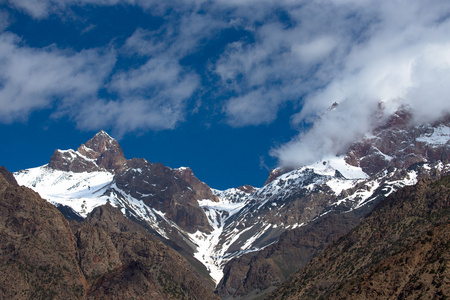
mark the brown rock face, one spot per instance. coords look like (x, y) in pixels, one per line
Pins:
(164, 189)
(105, 150)
(123, 261)
(274, 174)
(202, 191)
(400, 251)
(102, 152)
(395, 144)
(247, 189)
(9, 177)
(38, 255)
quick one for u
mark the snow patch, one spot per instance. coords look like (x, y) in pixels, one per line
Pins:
(439, 137)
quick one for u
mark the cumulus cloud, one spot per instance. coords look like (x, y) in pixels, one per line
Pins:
(292, 55)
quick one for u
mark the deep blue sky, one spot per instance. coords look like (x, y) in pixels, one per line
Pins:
(228, 88)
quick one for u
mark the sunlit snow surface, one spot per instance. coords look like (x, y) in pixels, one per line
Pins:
(208, 251)
(85, 191)
(80, 191)
(439, 137)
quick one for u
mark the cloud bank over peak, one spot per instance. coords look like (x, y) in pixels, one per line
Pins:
(403, 61)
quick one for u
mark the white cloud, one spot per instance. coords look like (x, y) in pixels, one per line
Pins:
(130, 115)
(153, 96)
(40, 9)
(32, 79)
(252, 109)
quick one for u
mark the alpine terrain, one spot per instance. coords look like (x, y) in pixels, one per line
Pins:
(248, 240)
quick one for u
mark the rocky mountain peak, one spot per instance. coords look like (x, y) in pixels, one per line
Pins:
(102, 152)
(100, 143)
(274, 173)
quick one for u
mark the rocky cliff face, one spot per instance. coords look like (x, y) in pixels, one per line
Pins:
(257, 273)
(102, 152)
(105, 256)
(399, 251)
(38, 255)
(122, 260)
(399, 144)
(164, 190)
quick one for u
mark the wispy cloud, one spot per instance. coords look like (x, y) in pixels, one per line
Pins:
(32, 79)
(4, 20)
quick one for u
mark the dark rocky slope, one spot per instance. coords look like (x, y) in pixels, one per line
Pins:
(105, 256)
(122, 260)
(401, 250)
(38, 252)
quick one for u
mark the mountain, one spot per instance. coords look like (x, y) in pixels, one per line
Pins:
(401, 251)
(212, 228)
(104, 256)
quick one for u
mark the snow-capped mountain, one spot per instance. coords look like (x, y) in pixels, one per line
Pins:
(215, 226)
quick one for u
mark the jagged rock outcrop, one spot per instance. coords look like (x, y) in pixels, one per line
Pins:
(160, 188)
(399, 251)
(202, 190)
(102, 152)
(274, 173)
(9, 177)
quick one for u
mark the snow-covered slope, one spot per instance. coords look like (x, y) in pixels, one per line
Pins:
(80, 191)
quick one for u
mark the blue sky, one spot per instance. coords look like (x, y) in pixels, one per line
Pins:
(228, 88)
